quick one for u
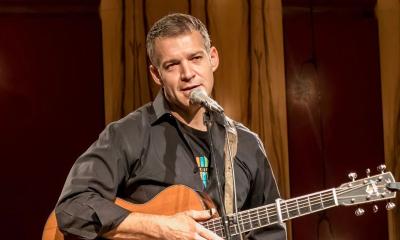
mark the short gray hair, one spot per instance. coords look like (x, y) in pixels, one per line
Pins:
(174, 25)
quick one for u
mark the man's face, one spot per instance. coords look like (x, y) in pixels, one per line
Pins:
(183, 65)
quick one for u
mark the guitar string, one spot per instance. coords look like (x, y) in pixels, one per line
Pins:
(246, 216)
(295, 204)
(288, 207)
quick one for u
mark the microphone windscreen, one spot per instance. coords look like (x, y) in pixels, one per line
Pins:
(198, 96)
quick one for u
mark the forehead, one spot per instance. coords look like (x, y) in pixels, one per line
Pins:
(178, 46)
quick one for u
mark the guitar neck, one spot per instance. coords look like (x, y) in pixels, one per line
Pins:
(277, 212)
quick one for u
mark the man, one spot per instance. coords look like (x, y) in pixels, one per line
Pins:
(161, 144)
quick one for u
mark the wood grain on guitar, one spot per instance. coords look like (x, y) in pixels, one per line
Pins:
(179, 198)
(172, 200)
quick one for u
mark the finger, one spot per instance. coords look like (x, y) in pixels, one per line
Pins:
(213, 212)
(199, 237)
(207, 234)
(200, 215)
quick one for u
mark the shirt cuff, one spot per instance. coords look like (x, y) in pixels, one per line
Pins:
(91, 218)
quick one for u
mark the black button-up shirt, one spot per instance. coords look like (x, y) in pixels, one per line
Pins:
(138, 156)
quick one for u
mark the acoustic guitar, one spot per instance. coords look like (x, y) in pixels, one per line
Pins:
(178, 198)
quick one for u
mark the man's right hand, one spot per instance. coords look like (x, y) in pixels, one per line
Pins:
(179, 226)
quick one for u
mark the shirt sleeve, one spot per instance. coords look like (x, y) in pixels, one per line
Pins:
(265, 183)
(86, 206)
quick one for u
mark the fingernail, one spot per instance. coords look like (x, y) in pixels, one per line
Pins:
(212, 211)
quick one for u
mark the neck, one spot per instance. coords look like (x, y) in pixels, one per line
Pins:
(193, 117)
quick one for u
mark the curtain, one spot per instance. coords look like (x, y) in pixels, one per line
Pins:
(388, 14)
(249, 83)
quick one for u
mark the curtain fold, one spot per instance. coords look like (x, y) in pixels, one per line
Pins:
(388, 14)
(113, 65)
(249, 82)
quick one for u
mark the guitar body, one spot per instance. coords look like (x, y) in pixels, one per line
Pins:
(172, 200)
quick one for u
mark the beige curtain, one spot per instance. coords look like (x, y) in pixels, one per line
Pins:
(249, 83)
(388, 13)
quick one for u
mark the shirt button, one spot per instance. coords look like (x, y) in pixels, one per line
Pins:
(195, 170)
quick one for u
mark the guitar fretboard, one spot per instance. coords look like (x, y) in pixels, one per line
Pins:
(269, 214)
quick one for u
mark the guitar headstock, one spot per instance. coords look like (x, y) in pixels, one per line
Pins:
(369, 189)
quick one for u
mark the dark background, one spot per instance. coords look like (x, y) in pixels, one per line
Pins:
(52, 107)
(51, 104)
(334, 109)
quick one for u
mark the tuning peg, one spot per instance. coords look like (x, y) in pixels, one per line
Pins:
(368, 171)
(352, 176)
(381, 168)
(359, 212)
(375, 208)
(390, 206)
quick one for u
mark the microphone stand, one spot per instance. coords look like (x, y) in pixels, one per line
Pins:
(208, 121)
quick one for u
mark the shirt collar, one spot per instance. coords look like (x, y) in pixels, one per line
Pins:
(161, 109)
(160, 106)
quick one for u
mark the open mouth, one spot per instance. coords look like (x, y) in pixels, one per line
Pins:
(187, 90)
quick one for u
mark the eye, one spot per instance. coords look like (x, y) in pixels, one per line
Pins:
(170, 66)
(197, 58)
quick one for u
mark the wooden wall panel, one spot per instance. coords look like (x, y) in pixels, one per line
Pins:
(334, 112)
(388, 13)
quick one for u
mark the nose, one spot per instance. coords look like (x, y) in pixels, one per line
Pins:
(187, 72)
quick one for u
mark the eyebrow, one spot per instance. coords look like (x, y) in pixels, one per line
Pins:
(196, 53)
(164, 64)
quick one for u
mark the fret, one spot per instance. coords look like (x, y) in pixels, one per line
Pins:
(249, 220)
(220, 232)
(273, 215)
(265, 219)
(216, 226)
(292, 206)
(240, 227)
(320, 199)
(267, 215)
(316, 206)
(255, 220)
(287, 210)
(312, 203)
(332, 201)
(235, 226)
(304, 208)
(298, 208)
(268, 220)
(246, 224)
(284, 209)
(233, 229)
(258, 217)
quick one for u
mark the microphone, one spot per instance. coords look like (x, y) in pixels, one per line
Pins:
(199, 96)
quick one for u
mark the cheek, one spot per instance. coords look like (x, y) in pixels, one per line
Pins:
(170, 90)
(210, 78)
(168, 81)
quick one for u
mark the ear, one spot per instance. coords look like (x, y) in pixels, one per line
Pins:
(214, 58)
(155, 74)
